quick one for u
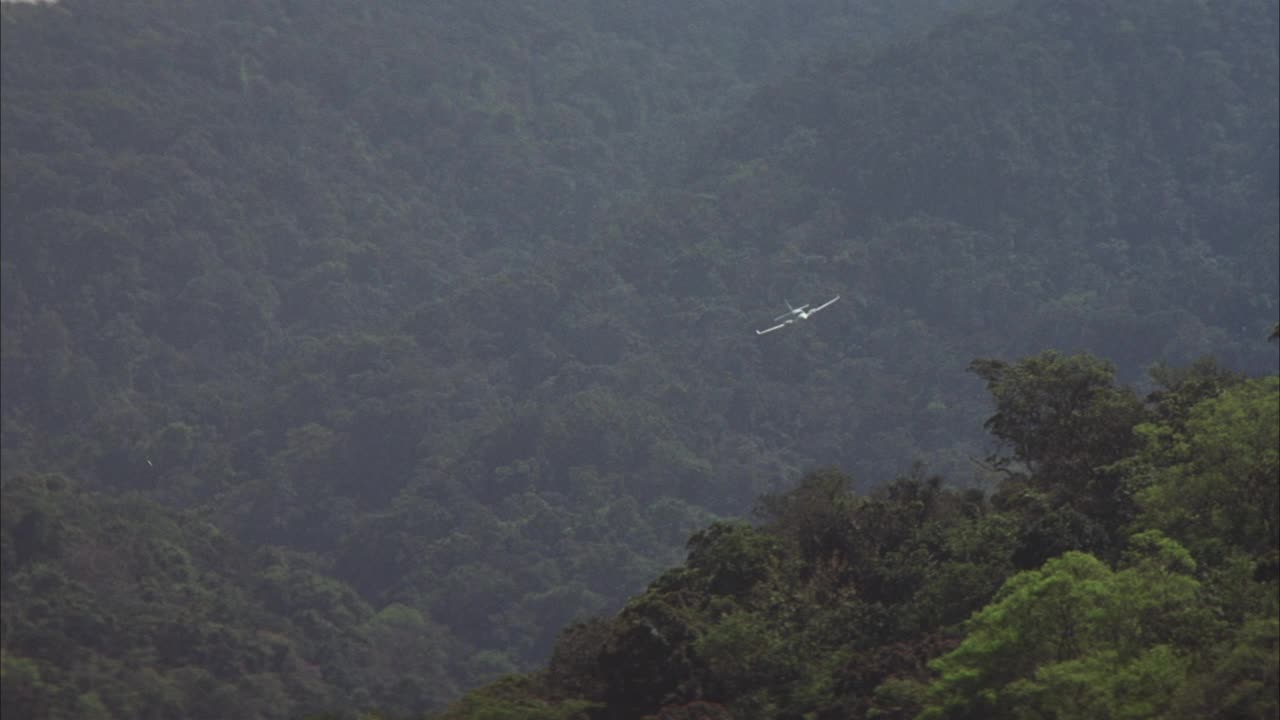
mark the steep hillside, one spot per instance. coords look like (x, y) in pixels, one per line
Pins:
(1010, 182)
(1125, 566)
(227, 228)
(451, 305)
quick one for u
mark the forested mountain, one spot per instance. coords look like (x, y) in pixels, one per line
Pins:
(351, 350)
(1126, 565)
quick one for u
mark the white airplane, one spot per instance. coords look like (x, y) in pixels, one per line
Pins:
(794, 314)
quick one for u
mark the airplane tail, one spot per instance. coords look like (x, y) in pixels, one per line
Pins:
(791, 310)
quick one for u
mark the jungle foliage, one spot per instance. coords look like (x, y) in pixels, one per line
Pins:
(911, 601)
(352, 350)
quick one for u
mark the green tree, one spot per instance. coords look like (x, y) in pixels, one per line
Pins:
(1243, 679)
(1213, 483)
(516, 698)
(1076, 639)
(734, 558)
(815, 515)
(1067, 424)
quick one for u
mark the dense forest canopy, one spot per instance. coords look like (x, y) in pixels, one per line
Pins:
(1132, 575)
(353, 350)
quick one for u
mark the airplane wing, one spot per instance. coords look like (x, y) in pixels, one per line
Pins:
(824, 304)
(775, 327)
